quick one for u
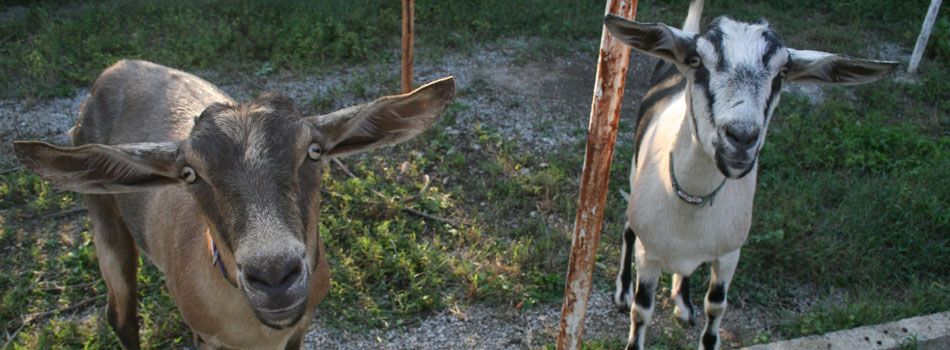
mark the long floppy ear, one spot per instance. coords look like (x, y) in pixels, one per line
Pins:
(95, 168)
(655, 39)
(823, 67)
(386, 121)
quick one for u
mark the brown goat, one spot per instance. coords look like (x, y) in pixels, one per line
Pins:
(224, 198)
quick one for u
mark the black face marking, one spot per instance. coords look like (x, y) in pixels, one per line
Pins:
(710, 340)
(714, 35)
(701, 80)
(775, 91)
(773, 44)
(717, 294)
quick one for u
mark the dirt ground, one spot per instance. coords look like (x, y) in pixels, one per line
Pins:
(539, 103)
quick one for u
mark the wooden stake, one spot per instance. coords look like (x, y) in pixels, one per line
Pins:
(923, 37)
(604, 116)
(407, 38)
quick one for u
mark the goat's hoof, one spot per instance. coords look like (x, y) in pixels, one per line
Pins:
(687, 323)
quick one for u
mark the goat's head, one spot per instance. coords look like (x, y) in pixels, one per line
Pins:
(735, 73)
(254, 172)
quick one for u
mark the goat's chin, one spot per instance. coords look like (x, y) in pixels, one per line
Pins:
(734, 169)
(283, 319)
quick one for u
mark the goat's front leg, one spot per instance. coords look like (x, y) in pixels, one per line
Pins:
(118, 262)
(684, 306)
(722, 271)
(623, 297)
(648, 274)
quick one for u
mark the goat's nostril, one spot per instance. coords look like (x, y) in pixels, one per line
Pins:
(741, 137)
(276, 275)
(292, 273)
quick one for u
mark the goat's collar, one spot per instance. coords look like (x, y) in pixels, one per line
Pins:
(691, 199)
(216, 260)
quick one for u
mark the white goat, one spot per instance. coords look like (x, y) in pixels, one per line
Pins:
(711, 98)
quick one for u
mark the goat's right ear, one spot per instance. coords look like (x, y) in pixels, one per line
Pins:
(655, 39)
(95, 168)
(386, 121)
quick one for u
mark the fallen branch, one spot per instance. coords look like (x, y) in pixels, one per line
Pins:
(37, 316)
(405, 202)
(7, 171)
(453, 223)
(343, 168)
(63, 213)
(418, 194)
(74, 286)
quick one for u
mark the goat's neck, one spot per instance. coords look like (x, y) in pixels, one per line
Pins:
(696, 170)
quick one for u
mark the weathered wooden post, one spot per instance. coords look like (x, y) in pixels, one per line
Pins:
(923, 37)
(604, 116)
(407, 37)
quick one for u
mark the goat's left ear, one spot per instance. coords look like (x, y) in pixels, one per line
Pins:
(386, 121)
(823, 67)
(656, 39)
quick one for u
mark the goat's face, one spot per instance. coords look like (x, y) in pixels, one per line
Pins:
(735, 72)
(254, 173)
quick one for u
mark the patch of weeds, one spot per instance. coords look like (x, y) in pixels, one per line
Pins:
(323, 102)
(24, 194)
(53, 266)
(266, 69)
(865, 307)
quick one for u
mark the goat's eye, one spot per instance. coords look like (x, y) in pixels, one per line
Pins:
(694, 61)
(314, 151)
(189, 175)
(783, 72)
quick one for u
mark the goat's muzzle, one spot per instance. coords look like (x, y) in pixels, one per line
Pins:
(276, 288)
(737, 149)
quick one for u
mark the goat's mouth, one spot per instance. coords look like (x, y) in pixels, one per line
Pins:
(281, 318)
(735, 167)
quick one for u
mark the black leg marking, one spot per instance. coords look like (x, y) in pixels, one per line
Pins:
(718, 294)
(683, 293)
(710, 340)
(626, 270)
(625, 276)
(644, 297)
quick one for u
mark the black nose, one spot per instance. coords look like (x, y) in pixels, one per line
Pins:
(274, 274)
(742, 137)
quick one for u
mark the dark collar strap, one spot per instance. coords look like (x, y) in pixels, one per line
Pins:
(217, 261)
(688, 198)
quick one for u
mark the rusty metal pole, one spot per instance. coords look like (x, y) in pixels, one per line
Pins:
(604, 116)
(407, 37)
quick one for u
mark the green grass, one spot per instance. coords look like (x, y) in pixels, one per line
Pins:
(852, 203)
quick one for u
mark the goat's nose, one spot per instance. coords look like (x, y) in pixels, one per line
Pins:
(742, 137)
(274, 275)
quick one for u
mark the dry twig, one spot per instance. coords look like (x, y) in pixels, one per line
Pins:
(404, 203)
(63, 213)
(40, 315)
